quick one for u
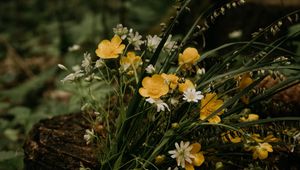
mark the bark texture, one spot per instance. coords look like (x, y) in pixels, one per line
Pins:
(58, 144)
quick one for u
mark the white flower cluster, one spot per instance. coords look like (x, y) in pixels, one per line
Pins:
(151, 42)
(89, 136)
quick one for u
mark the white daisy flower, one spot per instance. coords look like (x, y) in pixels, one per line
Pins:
(170, 45)
(150, 69)
(161, 105)
(135, 39)
(89, 136)
(152, 42)
(191, 95)
(182, 153)
(121, 31)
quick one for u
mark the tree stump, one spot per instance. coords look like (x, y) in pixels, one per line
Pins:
(58, 143)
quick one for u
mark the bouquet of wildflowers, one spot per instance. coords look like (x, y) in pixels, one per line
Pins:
(166, 106)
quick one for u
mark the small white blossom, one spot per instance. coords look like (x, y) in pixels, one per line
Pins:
(62, 67)
(152, 42)
(170, 45)
(235, 34)
(150, 69)
(201, 71)
(121, 31)
(99, 63)
(174, 101)
(161, 105)
(73, 76)
(74, 47)
(89, 136)
(182, 153)
(135, 39)
(86, 62)
(76, 68)
(191, 95)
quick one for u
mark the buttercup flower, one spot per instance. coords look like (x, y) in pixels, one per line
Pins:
(110, 49)
(198, 157)
(130, 60)
(161, 105)
(231, 136)
(160, 159)
(245, 81)
(191, 95)
(182, 87)
(154, 87)
(270, 138)
(171, 79)
(188, 57)
(251, 117)
(261, 150)
(209, 104)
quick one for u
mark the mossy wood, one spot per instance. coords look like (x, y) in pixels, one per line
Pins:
(58, 144)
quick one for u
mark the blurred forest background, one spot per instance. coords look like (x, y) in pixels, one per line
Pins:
(37, 35)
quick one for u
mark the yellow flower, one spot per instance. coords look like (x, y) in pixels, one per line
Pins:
(130, 60)
(154, 87)
(198, 157)
(245, 81)
(110, 49)
(251, 117)
(171, 79)
(261, 150)
(271, 138)
(209, 104)
(189, 56)
(182, 87)
(160, 159)
(231, 136)
(259, 139)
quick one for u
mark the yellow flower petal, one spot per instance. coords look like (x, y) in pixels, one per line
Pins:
(184, 86)
(196, 147)
(116, 40)
(251, 117)
(171, 79)
(215, 119)
(189, 166)
(154, 87)
(110, 49)
(189, 56)
(246, 80)
(199, 159)
(209, 104)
